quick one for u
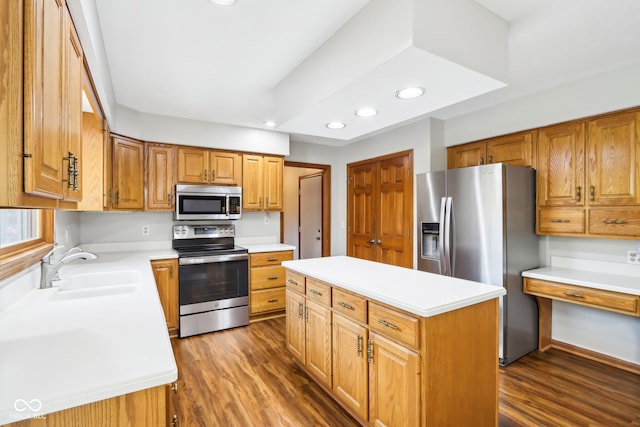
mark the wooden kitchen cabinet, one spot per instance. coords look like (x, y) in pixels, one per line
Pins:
(262, 185)
(127, 190)
(203, 166)
(165, 273)
(514, 149)
(295, 325)
(161, 177)
(267, 283)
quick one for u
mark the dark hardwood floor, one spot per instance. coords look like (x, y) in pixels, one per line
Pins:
(244, 377)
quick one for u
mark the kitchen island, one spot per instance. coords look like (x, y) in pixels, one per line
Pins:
(396, 346)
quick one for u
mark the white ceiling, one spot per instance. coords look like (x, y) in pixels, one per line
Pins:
(240, 65)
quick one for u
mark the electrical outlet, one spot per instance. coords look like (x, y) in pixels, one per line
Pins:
(145, 230)
(633, 257)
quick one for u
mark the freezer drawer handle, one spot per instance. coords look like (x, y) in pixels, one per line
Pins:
(345, 305)
(573, 294)
(388, 325)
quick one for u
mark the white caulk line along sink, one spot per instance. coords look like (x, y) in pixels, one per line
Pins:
(96, 284)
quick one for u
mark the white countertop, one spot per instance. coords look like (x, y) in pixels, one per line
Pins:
(418, 292)
(268, 247)
(591, 279)
(62, 348)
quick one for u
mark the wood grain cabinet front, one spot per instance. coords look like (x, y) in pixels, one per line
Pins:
(165, 273)
(262, 185)
(161, 177)
(267, 283)
(204, 166)
(514, 149)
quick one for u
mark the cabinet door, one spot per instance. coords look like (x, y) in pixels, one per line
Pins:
(560, 177)
(296, 325)
(226, 168)
(72, 187)
(350, 369)
(318, 334)
(273, 171)
(92, 163)
(193, 165)
(394, 384)
(128, 174)
(515, 149)
(613, 149)
(43, 93)
(166, 274)
(252, 182)
(160, 177)
(472, 154)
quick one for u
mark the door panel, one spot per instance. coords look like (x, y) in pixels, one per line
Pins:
(361, 227)
(310, 188)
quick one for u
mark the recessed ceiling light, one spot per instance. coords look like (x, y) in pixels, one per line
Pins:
(366, 112)
(270, 123)
(410, 92)
(223, 2)
(335, 125)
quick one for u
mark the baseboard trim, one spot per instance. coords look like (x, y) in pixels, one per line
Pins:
(598, 357)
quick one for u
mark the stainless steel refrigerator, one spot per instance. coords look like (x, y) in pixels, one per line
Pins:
(478, 223)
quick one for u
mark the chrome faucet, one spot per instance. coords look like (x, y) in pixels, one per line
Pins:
(49, 271)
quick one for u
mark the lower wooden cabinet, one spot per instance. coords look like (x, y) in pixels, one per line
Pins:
(318, 341)
(166, 274)
(267, 283)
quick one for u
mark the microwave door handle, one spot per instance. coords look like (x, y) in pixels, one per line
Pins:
(228, 202)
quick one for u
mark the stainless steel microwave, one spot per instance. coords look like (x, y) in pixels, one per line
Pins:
(197, 202)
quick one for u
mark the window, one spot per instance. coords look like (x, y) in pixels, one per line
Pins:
(25, 236)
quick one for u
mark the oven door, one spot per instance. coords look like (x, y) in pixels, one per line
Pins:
(213, 282)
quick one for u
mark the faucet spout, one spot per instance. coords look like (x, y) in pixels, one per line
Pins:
(49, 270)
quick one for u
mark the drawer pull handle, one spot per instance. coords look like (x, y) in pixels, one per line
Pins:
(359, 345)
(273, 300)
(293, 282)
(272, 259)
(388, 325)
(272, 278)
(592, 193)
(345, 305)
(615, 221)
(573, 294)
(315, 292)
(560, 220)
(174, 387)
(578, 194)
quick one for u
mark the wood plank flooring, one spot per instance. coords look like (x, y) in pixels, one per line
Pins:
(244, 377)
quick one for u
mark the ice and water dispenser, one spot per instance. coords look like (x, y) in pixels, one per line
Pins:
(430, 234)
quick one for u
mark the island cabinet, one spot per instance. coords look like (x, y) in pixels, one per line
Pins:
(267, 283)
(203, 166)
(388, 366)
(514, 149)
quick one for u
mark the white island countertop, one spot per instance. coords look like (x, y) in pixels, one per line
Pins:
(418, 292)
(65, 348)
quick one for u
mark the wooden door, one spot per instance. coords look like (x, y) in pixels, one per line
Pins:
(73, 69)
(394, 212)
(160, 177)
(472, 154)
(252, 182)
(193, 165)
(350, 369)
(273, 186)
(394, 384)
(318, 346)
(165, 273)
(515, 149)
(226, 168)
(296, 341)
(613, 155)
(44, 47)
(128, 174)
(560, 176)
(361, 197)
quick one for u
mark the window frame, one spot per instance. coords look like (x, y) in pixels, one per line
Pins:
(18, 257)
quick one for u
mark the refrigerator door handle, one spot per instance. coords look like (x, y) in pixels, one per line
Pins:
(441, 237)
(447, 236)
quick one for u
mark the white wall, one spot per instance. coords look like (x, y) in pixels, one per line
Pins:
(292, 204)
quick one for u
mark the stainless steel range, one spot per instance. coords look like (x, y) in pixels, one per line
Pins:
(213, 278)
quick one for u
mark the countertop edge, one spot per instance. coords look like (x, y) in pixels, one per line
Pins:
(564, 275)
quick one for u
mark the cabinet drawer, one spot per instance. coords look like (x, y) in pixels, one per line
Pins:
(267, 277)
(268, 300)
(615, 222)
(394, 324)
(318, 291)
(598, 298)
(350, 305)
(270, 258)
(295, 281)
(561, 221)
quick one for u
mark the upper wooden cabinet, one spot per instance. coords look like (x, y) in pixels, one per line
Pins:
(127, 191)
(203, 166)
(262, 182)
(161, 177)
(514, 149)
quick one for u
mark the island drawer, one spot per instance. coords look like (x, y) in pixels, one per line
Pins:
(268, 300)
(318, 291)
(394, 324)
(270, 258)
(350, 305)
(597, 298)
(267, 277)
(295, 281)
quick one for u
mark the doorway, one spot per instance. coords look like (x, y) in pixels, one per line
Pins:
(307, 195)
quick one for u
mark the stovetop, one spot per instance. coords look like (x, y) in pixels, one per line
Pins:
(200, 251)
(198, 240)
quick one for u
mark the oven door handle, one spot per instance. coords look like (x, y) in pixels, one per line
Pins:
(213, 258)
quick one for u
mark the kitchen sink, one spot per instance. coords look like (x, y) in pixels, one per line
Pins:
(98, 280)
(92, 292)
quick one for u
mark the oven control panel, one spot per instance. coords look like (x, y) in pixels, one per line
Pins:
(190, 231)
